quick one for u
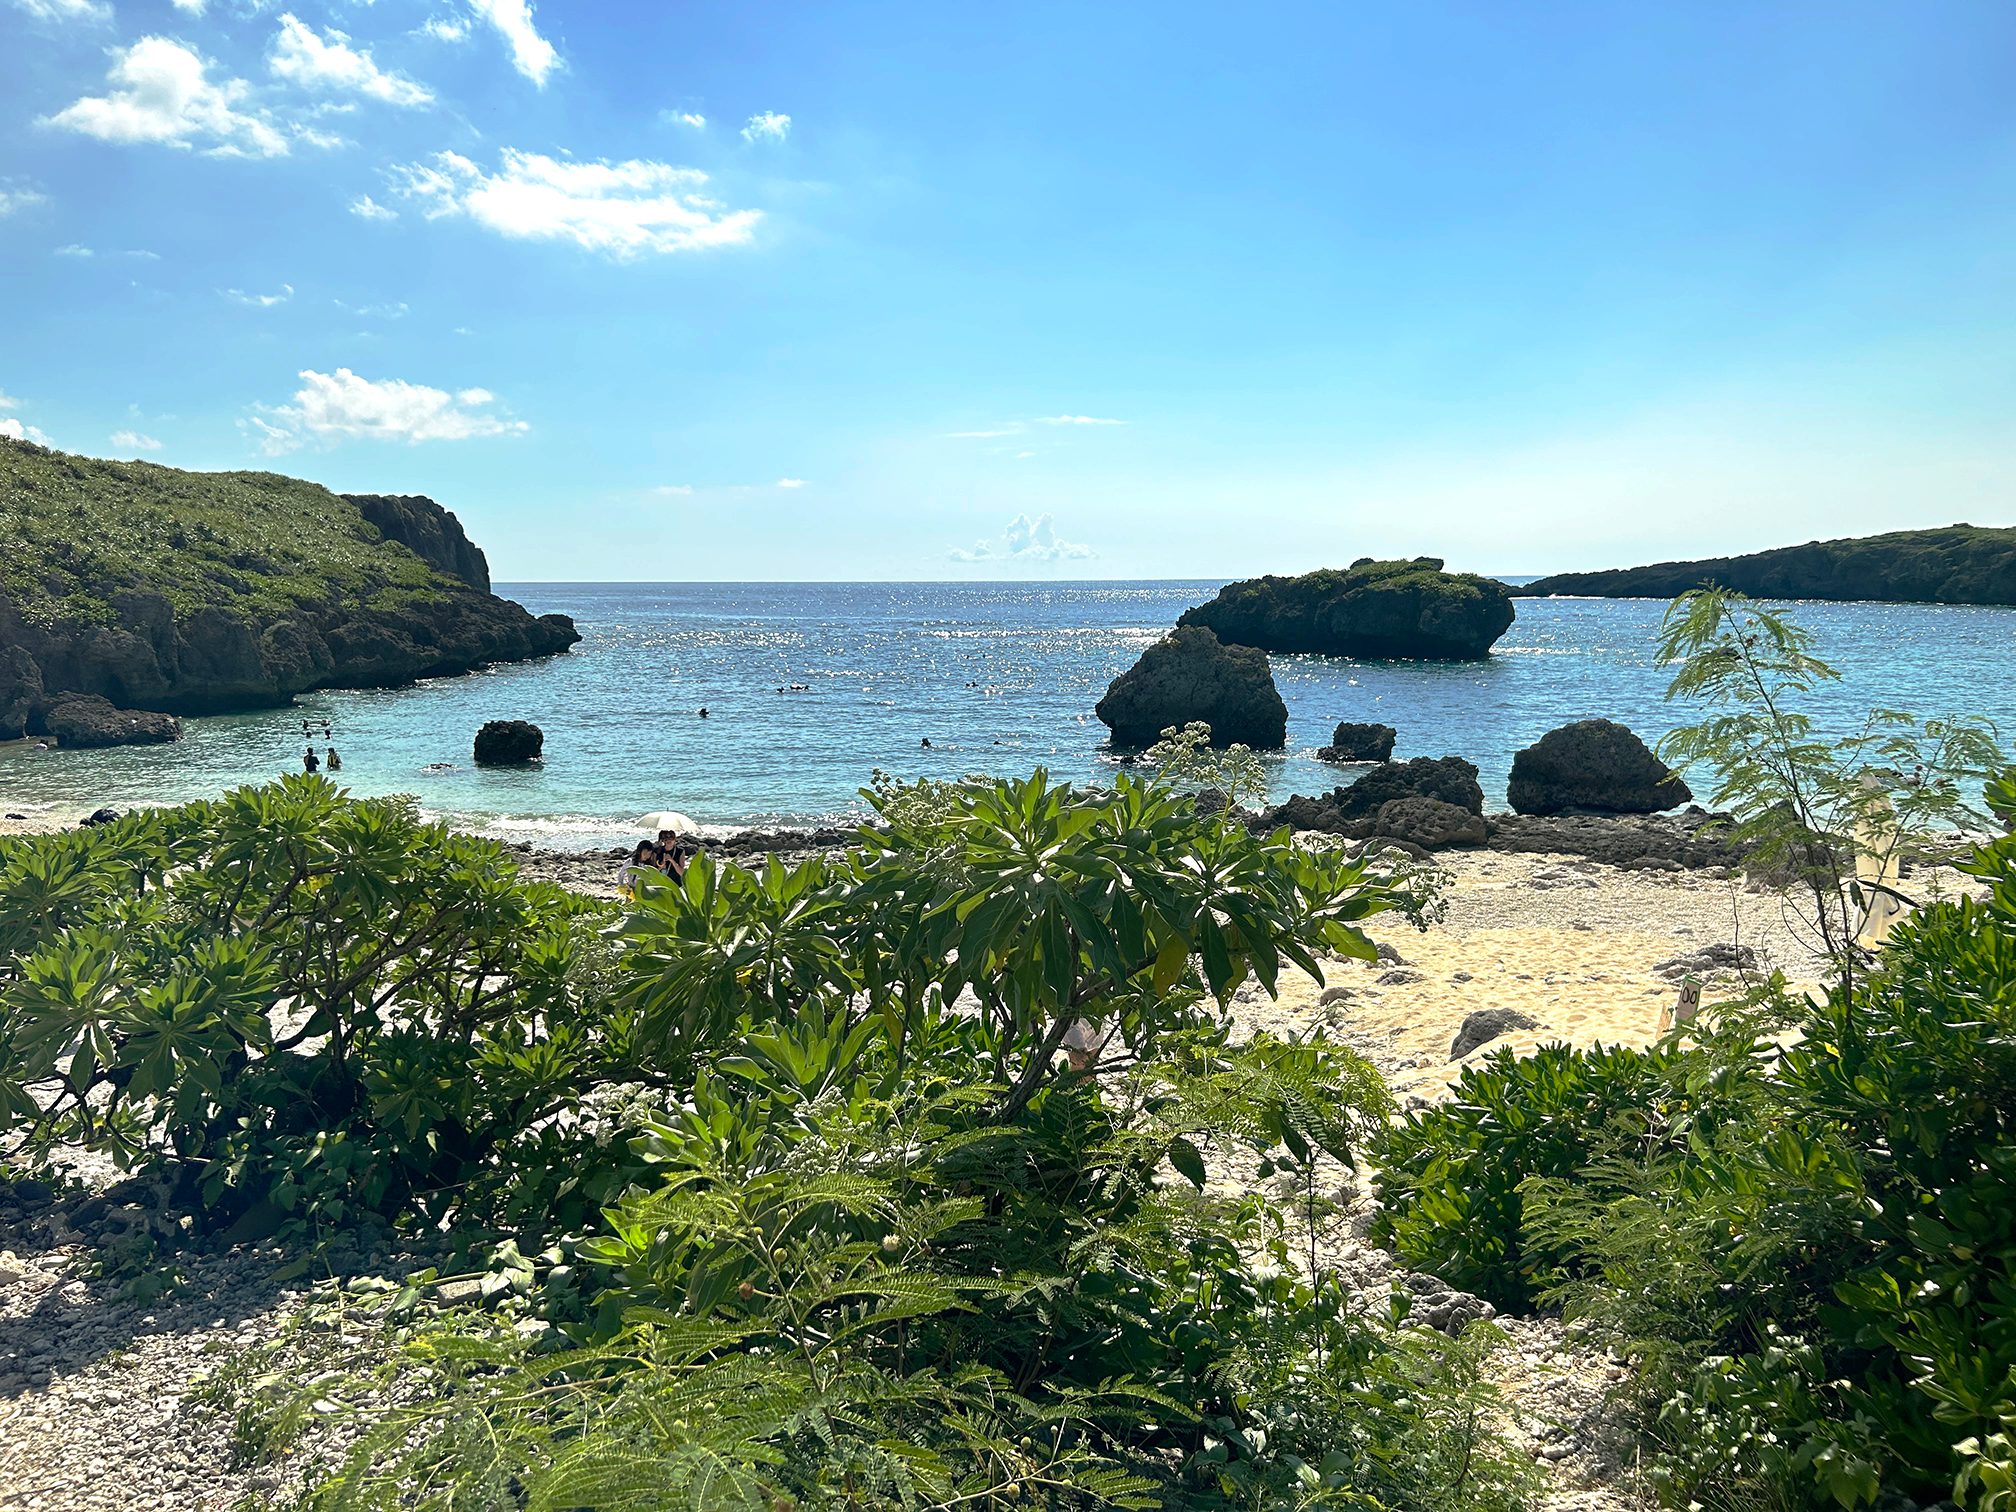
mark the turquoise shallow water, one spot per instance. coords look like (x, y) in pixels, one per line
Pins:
(1000, 677)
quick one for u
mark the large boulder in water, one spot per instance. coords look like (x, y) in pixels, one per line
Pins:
(1593, 766)
(88, 720)
(1409, 609)
(1359, 742)
(509, 742)
(1190, 676)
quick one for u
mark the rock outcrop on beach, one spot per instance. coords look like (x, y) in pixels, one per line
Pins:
(1351, 810)
(1388, 609)
(1429, 823)
(183, 592)
(508, 742)
(1956, 564)
(1687, 840)
(1359, 742)
(1593, 766)
(1190, 675)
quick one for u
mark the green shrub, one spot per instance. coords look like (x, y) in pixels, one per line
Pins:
(1452, 1175)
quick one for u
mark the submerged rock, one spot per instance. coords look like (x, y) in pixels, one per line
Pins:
(1593, 765)
(1190, 675)
(1400, 609)
(1359, 742)
(509, 742)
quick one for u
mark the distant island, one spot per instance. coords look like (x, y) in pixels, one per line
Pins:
(1956, 564)
(1372, 608)
(149, 588)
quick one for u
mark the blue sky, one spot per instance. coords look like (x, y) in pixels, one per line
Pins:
(843, 290)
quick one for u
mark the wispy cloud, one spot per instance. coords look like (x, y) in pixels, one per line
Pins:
(1025, 540)
(12, 200)
(983, 435)
(66, 10)
(767, 127)
(190, 7)
(392, 310)
(690, 118)
(341, 406)
(673, 490)
(1076, 420)
(446, 29)
(531, 54)
(161, 91)
(369, 209)
(326, 60)
(127, 440)
(790, 482)
(72, 249)
(259, 301)
(625, 209)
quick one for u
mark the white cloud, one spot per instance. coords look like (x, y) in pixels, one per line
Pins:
(74, 250)
(328, 61)
(395, 310)
(790, 482)
(1075, 420)
(128, 440)
(9, 426)
(190, 7)
(673, 490)
(8, 401)
(691, 118)
(17, 199)
(769, 126)
(624, 209)
(340, 406)
(531, 54)
(66, 10)
(1025, 540)
(446, 29)
(1024, 456)
(259, 301)
(370, 209)
(161, 92)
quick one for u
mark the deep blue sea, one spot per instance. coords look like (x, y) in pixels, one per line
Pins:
(1000, 677)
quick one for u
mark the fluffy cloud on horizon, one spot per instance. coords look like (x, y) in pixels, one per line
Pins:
(1025, 540)
(625, 209)
(341, 406)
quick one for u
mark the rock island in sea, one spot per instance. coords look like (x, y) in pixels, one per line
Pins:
(128, 586)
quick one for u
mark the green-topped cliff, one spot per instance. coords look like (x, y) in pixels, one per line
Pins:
(1410, 608)
(162, 589)
(1955, 564)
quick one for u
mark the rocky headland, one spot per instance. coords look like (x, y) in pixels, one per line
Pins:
(161, 592)
(1385, 609)
(1955, 564)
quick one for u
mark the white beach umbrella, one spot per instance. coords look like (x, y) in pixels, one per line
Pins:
(668, 819)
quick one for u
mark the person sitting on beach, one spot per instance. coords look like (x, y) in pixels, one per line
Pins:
(333, 761)
(308, 761)
(675, 863)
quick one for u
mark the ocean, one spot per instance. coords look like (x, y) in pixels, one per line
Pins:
(999, 677)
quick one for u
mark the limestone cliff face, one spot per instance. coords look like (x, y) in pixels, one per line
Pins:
(430, 532)
(198, 593)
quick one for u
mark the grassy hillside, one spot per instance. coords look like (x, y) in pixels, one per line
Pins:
(79, 530)
(1954, 564)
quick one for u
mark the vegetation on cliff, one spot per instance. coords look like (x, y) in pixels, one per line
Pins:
(1411, 609)
(159, 588)
(1956, 564)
